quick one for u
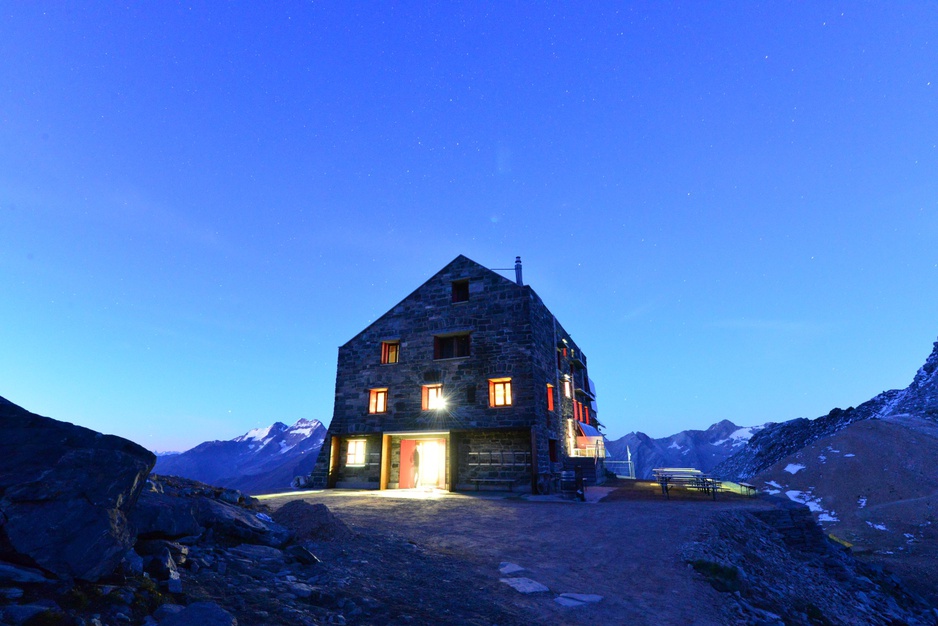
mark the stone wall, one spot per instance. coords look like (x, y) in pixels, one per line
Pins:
(505, 455)
(496, 317)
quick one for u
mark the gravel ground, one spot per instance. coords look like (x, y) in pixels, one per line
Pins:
(435, 557)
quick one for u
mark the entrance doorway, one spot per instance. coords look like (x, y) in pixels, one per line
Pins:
(423, 463)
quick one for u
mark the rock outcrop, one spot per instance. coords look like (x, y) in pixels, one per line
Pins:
(65, 492)
(173, 508)
(778, 568)
(776, 441)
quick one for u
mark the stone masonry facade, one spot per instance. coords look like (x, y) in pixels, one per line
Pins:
(464, 328)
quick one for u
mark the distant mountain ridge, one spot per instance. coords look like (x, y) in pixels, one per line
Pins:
(918, 400)
(263, 460)
(702, 449)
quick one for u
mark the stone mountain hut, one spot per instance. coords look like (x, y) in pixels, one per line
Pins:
(468, 383)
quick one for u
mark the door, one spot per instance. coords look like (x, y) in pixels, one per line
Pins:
(423, 463)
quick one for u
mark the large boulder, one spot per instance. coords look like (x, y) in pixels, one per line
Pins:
(164, 516)
(65, 492)
(183, 509)
(234, 524)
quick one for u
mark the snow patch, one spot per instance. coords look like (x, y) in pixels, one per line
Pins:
(257, 434)
(743, 435)
(846, 455)
(306, 432)
(740, 436)
(674, 445)
(814, 505)
(822, 458)
(861, 502)
(794, 468)
(877, 526)
(777, 488)
(804, 498)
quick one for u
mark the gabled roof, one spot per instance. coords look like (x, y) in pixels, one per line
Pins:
(459, 259)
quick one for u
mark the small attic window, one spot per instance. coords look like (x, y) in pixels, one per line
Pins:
(390, 352)
(461, 290)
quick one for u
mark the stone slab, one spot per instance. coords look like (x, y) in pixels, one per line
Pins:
(509, 568)
(582, 597)
(524, 585)
(567, 601)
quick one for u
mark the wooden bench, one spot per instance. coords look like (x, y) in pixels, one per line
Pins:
(750, 489)
(687, 477)
(511, 482)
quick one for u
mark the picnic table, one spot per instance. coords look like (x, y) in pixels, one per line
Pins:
(687, 477)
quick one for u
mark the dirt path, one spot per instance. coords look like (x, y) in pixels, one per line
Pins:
(626, 549)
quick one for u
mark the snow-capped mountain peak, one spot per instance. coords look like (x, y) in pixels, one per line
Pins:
(262, 434)
(702, 449)
(262, 460)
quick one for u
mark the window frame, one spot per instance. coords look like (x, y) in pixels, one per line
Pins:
(356, 453)
(460, 291)
(390, 352)
(431, 397)
(460, 349)
(504, 386)
(375, 398)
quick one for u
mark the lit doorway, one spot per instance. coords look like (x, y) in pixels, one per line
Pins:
(423, 463)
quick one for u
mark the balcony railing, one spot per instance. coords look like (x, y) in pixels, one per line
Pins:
(594, 449)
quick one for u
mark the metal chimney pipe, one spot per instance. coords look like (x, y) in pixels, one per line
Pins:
(518, 270)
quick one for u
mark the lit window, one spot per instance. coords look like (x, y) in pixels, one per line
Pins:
(390, 351)
(432, 397)
(550, 397)
(567, 389)
(378, 401)
(500, 392)
(356, 452)
(460, 291)
(450, 347)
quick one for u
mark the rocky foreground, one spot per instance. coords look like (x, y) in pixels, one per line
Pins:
(89, 537)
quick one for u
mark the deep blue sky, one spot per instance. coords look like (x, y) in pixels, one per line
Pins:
(733, 207)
